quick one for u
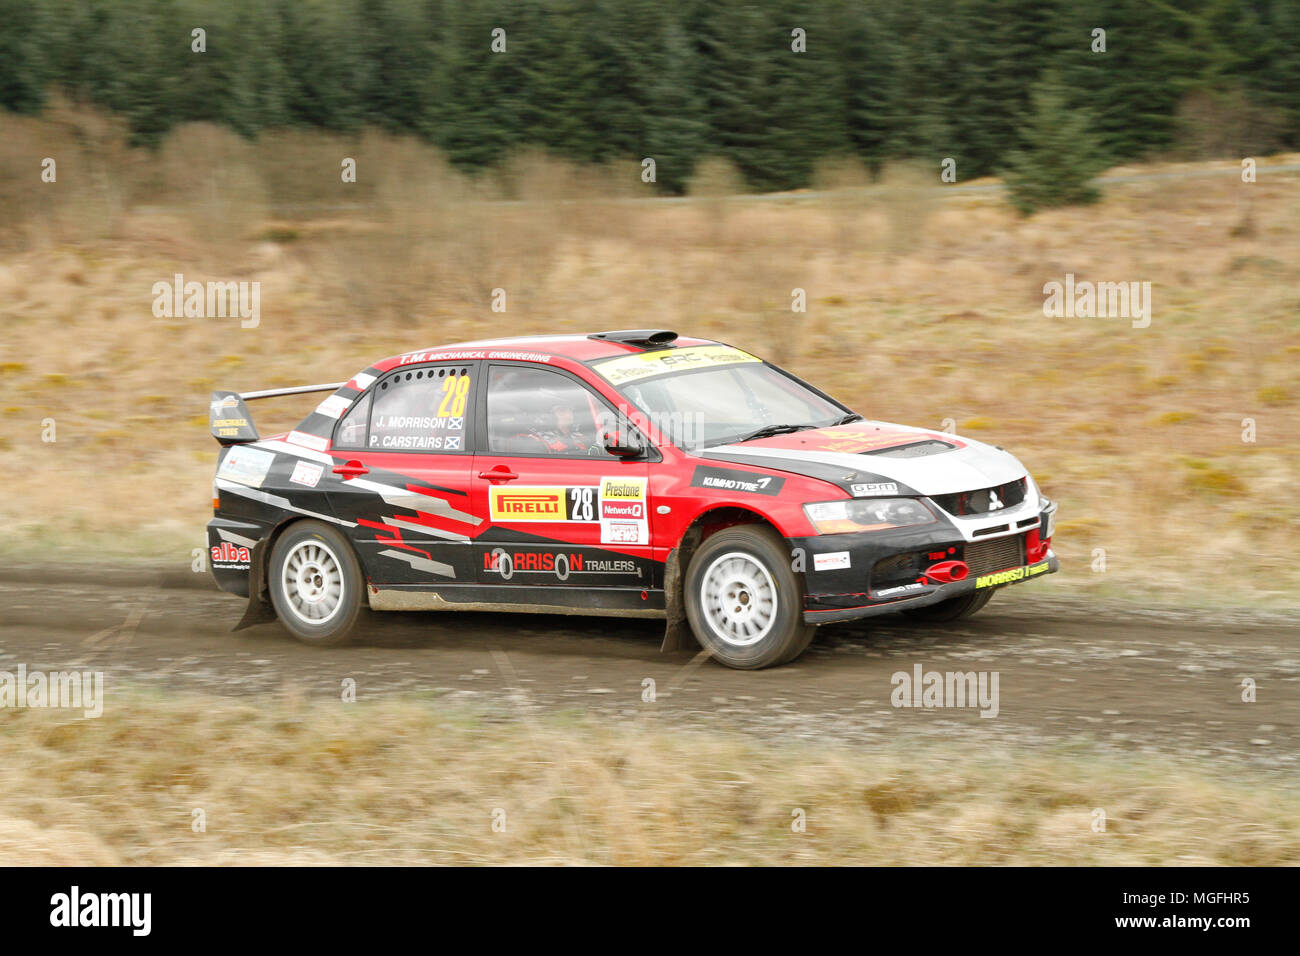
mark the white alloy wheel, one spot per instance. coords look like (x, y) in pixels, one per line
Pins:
(312, 582)
(738, 597)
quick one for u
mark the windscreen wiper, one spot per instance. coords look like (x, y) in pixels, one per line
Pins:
(769, 430)
(850, 417)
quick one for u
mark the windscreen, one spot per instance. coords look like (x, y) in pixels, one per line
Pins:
(724, 403)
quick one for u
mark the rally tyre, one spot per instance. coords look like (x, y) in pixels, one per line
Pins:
(316, 585)
(743, 601)
(953, 609)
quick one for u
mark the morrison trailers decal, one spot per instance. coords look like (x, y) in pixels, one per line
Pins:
(1011, 575)
(561, 566)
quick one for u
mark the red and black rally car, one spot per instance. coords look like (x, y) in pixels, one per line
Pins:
(620, 473)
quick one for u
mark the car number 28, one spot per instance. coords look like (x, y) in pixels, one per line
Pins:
(581, 507)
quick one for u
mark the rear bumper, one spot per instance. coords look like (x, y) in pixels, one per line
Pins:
(230, 552)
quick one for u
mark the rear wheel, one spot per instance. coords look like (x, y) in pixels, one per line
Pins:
(953, 609)
(744, 602)
(316, 584)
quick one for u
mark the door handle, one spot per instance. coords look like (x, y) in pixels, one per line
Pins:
(351, 469)
(499, 473)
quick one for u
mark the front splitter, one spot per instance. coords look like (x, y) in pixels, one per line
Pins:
(933, 594)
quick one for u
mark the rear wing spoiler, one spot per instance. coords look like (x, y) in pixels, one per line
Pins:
(228, 417)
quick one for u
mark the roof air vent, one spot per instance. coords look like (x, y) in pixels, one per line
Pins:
(646, 338)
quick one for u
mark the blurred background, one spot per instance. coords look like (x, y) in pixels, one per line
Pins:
(503, 144)
(523, 169)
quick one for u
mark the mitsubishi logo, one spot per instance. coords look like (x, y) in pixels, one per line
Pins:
(994, 502)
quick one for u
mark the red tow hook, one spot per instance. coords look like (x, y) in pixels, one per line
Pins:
(1036, 546)
(945, 572)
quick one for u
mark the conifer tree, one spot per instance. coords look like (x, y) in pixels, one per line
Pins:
(1060, 157)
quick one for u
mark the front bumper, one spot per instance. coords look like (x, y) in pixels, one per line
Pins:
(851, 576)
(929, 594)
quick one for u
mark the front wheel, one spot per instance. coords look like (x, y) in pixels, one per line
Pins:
(743, 600)
(315, 584)
(953, 609)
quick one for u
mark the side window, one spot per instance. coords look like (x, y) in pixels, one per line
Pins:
(535, 411)
(352, 429)
(421, 409)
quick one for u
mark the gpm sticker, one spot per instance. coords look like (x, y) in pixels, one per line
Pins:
(874, 489)
(1014, 574)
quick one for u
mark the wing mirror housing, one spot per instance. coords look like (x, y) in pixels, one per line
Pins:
(624, 445)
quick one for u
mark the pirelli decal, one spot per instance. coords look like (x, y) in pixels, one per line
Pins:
(543, 503)
(1012, 575)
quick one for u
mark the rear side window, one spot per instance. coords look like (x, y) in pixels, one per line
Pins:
(419, 409)
(352, 429)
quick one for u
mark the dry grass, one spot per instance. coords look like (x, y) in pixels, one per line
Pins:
(287, 781)
(921, 307)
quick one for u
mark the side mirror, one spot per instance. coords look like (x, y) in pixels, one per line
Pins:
(626, 445)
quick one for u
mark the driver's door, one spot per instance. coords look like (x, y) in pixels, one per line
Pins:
(561, 511)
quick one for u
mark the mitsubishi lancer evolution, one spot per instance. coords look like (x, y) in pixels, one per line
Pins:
(628, 473)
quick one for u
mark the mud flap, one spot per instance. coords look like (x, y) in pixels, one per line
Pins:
(677, 629)
(260, 609)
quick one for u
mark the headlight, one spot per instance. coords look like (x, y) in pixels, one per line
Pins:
(866, 514)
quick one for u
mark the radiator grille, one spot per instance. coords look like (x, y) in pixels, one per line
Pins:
(985, 500)
(985, 557)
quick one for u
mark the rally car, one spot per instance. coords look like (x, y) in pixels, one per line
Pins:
(632, 473)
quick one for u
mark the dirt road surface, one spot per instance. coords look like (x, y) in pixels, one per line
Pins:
(1118, 678)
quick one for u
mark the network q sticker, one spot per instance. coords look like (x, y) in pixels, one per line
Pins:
(624, 517)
